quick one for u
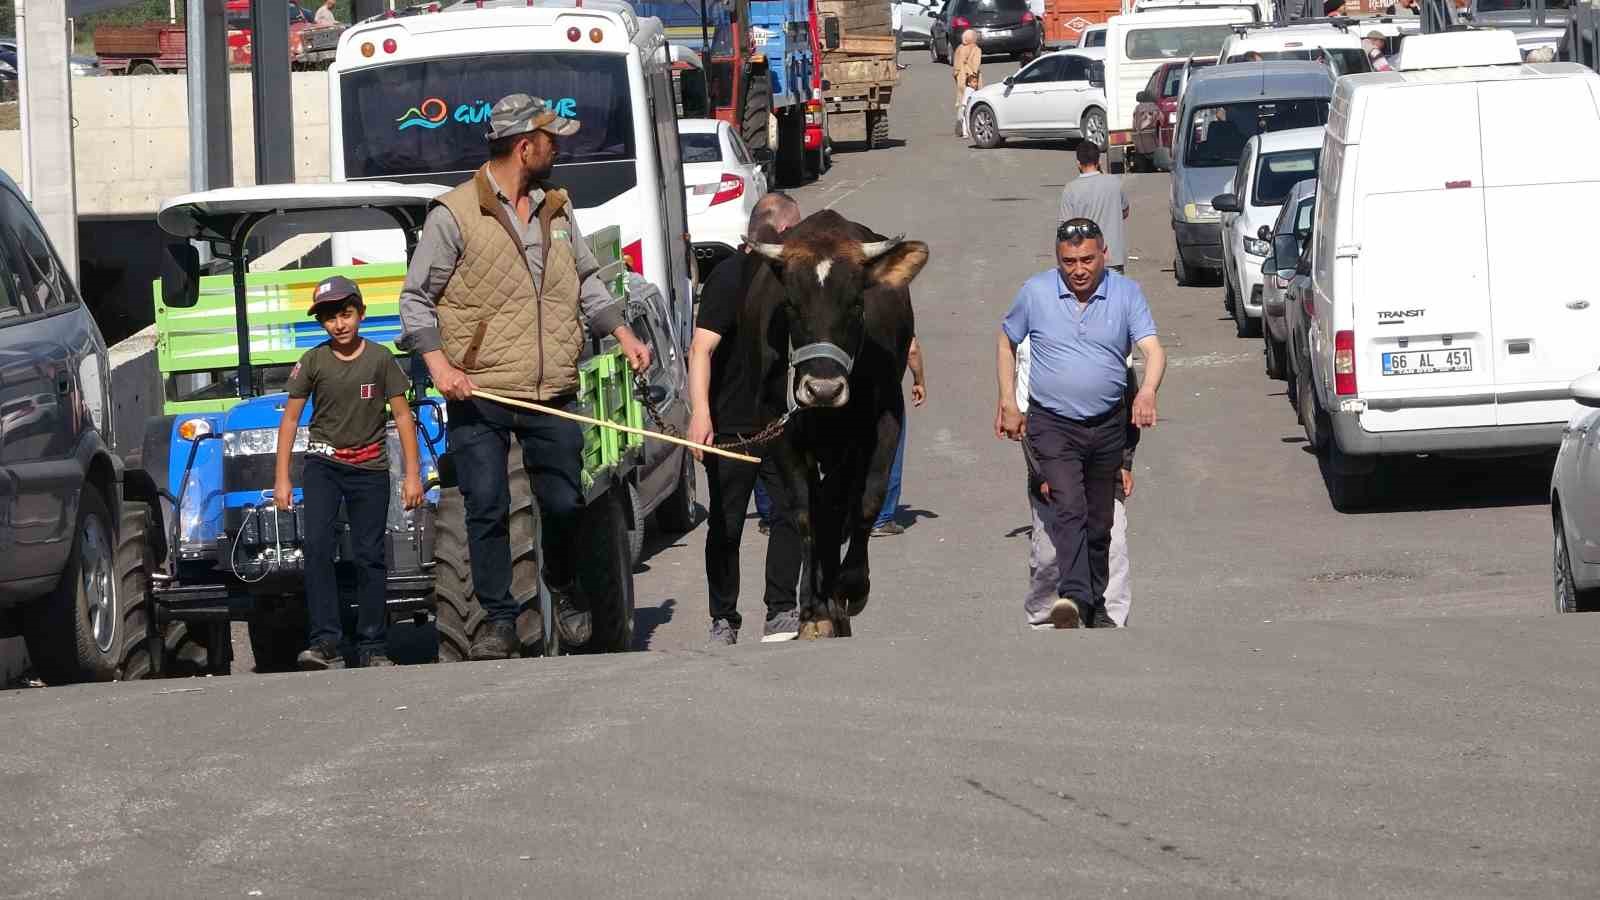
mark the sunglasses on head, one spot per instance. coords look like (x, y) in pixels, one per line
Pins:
(1075, 230)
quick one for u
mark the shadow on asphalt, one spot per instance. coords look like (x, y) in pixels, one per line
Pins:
(1434, 484)
(647, 619)
(910, 516)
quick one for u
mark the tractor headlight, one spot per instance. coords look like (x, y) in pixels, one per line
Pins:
(260, 441)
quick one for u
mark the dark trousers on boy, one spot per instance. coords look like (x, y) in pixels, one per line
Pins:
(552, 453)
(728, 484)
(1079, 459)
(365, 493)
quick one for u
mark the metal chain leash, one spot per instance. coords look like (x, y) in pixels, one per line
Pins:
(641, 389)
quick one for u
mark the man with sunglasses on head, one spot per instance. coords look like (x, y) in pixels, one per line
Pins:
(498, 296)
(1081, 322)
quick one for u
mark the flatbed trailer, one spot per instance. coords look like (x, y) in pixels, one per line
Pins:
(858, 70)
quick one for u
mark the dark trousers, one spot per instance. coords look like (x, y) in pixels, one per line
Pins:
(1079, 459)
(552, 453)
(365, 493)
(729, 483)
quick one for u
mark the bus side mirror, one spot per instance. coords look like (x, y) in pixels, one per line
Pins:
(180, 275)
(830, 32)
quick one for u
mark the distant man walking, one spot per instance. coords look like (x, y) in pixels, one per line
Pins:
(1098, 197)
(1081, 322)
(325, 15)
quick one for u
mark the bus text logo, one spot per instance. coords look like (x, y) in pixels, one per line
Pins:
(434, 112)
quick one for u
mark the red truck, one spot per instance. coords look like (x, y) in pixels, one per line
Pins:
(155, 48)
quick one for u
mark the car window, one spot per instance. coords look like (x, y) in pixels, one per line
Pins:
(47, 285)
(12, 305)
(1073, 68)
(1484, 6)
(1304, 214)
(1343, 60)
(740, 151)
(1171, 83)
(1097, 38)
(1176, 42)
(699, 147)
(1217, 134)
(1041, 70)
(1279, 172)
(1008, 6)
(1241, 173)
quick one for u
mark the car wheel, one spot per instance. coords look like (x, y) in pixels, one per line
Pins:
(1291, 371)
(985, 132)
(1569, 598)
(1180, 272)
(933, 50)
(1273, 350)
(1229, 301)
(1352, 486)
(1313, 421)
(1243, 325)
(1093, 128)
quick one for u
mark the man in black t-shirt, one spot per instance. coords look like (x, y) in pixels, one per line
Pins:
(724, 387)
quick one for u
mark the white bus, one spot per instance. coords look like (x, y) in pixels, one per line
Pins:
(409, 101)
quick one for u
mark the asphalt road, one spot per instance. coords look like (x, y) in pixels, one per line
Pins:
(1308, 704)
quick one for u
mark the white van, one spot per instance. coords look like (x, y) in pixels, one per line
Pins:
(1454, 275)
(1138, 43)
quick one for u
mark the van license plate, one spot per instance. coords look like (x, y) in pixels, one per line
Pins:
(1427, 362)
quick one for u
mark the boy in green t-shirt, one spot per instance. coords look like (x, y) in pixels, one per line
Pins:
(349, 380)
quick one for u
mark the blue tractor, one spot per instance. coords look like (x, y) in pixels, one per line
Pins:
(219, 550)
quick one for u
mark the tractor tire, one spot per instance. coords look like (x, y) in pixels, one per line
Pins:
(757, 109)
(144, 68)
(676, 514)
(94, 626)
(636, 533)
(877, 129)
(605, 574)
(791, 158)
(458, 617)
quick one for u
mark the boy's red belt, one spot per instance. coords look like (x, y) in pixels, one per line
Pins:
(350, 455)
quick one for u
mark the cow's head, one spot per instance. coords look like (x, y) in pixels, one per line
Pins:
(828, 264)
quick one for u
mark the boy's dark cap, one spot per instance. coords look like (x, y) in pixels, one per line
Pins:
(334, 289)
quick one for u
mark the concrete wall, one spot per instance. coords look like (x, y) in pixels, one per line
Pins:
(132, 138)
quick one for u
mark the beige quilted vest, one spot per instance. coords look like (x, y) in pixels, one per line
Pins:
(496, 327)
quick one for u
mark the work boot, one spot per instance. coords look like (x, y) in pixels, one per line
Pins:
(783, 626)
(723, 634)
(498, 641)
(319, 656)
(1064, 613)
(1102, 619)
(576, 625)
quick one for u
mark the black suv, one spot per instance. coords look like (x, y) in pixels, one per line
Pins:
(1002, 26)
(73, 577)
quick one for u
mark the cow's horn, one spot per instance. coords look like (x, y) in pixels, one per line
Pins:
(770, 251)
(874, 249)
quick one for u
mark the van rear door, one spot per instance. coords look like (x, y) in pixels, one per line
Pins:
(1421, 318)
(1544, 277)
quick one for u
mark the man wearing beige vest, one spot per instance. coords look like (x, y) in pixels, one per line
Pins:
(497, 297)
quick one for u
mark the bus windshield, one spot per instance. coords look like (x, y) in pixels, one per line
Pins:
(430, 117)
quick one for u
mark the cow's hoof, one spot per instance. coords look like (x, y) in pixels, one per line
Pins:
(843, 627)
(817, 630)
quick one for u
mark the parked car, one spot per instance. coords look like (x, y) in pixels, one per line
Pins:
(1050, 97)
(73, 583)
(1270, 165)
(1157, 113)
(1222, 108)
(1431, 333)
(1091, 37)
(722, 182)
(916, 20)
(1002, 27)
(1575, 502)
(1334, 44)
(1288, 239)
(82, 66)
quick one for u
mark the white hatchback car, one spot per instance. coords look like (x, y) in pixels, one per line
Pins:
(1575, 503)
(1050, 97)
(1269, 166)
(721, 183)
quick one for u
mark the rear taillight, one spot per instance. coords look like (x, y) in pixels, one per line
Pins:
(633, 254)
(1344, 363)
(732, 187)
(1027, 17)
(813, 112)
(959, 22)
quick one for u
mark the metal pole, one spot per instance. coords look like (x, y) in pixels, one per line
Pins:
(210, 119)
(705, 33)
(241, 316)
(274, 107)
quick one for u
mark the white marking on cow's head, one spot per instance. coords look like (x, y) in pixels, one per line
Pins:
(823, 268)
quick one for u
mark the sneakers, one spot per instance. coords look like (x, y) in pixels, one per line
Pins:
(764, 526)
(576, 625)
(1064, 613)
(319, 656)
(723, 634)
(888, 529)
(784, 626)
(498, 641)
(378, 661)
(1102, 619)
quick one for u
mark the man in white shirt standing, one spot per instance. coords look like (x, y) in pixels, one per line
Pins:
(896, 24)
(325, 15)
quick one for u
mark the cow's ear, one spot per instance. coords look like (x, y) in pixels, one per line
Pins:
(899, 265)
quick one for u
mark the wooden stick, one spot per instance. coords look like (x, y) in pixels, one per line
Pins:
(627, 429)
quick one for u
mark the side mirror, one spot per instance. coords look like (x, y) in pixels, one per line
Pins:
(180, 275)
(1586, 390)
(1225, 203)
(1269, 266)
(1144, 97)
(1264, 232)
(830, 32)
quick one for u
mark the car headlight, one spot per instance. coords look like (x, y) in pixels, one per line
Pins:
(260, 441)
(1256, 247)
(1199, 212)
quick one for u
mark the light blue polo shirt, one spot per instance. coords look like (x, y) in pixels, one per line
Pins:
(1078, 365)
